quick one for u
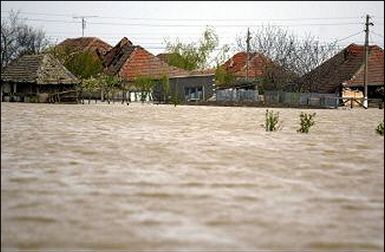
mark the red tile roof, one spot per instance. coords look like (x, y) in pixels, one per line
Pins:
(86, 43)
(237, 64)
(347, 68)
(129, 62)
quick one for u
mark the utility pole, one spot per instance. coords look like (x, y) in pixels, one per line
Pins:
(367, 23)
(248, 51)
(83, 18)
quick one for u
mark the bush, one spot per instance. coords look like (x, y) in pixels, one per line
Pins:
(272, 121)
(306, 121)
(380, 128)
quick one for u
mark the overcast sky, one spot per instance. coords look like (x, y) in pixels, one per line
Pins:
(149, 23)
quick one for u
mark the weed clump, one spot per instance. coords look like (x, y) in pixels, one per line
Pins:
(272, 121)
(380, 128)
(306, 121)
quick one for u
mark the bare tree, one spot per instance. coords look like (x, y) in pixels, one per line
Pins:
(292, 56)
(18, 38)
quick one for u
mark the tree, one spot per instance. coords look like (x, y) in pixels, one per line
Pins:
(108, 84)
(165, 81)
(291, 56)
(223, 77)
(193, 55)
(89, 86)
(18, 38)
(83, 64)
(145, 84)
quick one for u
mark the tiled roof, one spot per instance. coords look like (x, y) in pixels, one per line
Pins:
(40, 69)
(87, 43)
(209, 71)
(237, 64)
(347, 68)
(129, 62)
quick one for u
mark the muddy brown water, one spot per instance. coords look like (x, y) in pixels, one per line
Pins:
(147, 177)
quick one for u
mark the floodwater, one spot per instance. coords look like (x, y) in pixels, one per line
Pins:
(148, 177)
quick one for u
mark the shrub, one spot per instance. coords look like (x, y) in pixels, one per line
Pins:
(272, 121)
(306, 121)
(380, 128)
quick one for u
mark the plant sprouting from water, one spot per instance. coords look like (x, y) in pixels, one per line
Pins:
(380, 128)
(272, 121)
(306, 121)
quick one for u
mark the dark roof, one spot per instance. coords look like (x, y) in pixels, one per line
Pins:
(345, 68)
(40, 69)
(115, 58)
(129, 61)
(86, 43)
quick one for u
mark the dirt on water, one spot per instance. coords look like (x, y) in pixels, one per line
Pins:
(148, 177)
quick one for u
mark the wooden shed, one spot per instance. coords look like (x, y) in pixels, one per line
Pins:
(37, 78)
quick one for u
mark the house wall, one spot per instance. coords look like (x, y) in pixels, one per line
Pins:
(30, 92)
(301, 99)
(237, 95)
(187, 89)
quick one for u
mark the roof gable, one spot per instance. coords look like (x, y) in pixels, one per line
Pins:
(237, 64)
(129, 62)
(344, 67)
(143, 63)
(86, 43)
(40, 69)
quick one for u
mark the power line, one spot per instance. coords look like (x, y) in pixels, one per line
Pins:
(195, 19)
(379, 35)
(355, 34)
(188, 25)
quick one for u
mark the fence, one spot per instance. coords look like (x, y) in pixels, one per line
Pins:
(302, 99)
(237, 95)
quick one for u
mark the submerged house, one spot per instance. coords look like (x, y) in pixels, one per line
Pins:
(245, 73)
(37, 78)
(343, 74)
(92, 44)
(131, 62)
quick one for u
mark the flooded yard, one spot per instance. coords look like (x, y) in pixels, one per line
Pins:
(148, 177)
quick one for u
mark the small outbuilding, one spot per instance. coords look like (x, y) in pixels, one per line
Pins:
(37, 78)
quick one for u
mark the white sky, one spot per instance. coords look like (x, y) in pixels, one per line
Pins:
(149, 23)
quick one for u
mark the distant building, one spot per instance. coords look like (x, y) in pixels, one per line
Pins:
(36, 78)
(93, 44)
(130, 62)
(343, 74)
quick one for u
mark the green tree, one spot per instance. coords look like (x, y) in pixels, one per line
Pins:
(193, 55)
(89, 86)
(145, 84)
(108, 84)
(223, 77)
(83, 64)
(165, 87)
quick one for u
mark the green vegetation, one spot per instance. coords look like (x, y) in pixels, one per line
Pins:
(380, 128)
(83, 64)
(306, 121)
(272, 121)
(223, 77)
(145, 85)
(165, 87)
(194, 55)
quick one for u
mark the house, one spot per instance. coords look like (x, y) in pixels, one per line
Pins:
(343, 74)
(93, 44)
(257, 67)
(131, 62)
(36, 78)
(237, 65)
(244, 74)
